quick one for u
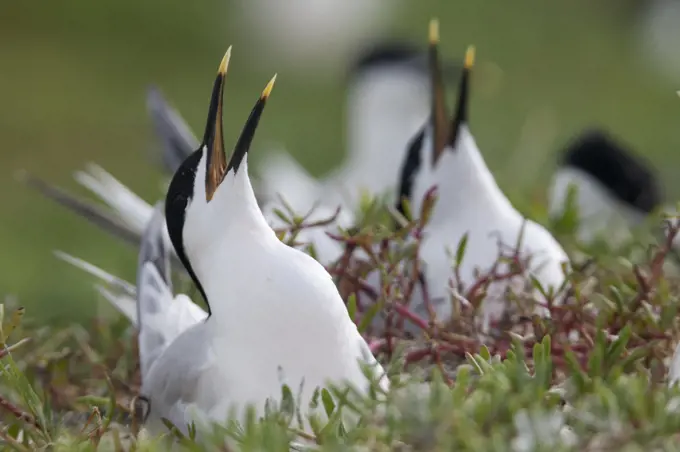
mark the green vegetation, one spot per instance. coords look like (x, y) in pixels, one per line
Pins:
(592, 377)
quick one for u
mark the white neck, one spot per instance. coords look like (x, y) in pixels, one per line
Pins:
(464, 183)
(386, 107)
(216, 232)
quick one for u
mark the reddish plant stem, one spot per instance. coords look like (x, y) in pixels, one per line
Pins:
(18, 413)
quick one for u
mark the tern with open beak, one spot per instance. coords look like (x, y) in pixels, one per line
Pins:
(274, 315)
(469, 202)
(387, 101)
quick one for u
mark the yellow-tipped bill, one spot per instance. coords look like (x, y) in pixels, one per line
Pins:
(248, 132)
(469, 57)
(268, 89)
(434, 31)
(216, 165)
(461, 115)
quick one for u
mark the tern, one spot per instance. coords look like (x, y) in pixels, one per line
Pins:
(274, 315)
(616, 191)
(469, 204)
(387, 101)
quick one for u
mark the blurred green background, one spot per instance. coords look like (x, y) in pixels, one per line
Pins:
(74, 75)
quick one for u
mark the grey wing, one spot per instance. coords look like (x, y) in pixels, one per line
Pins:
(181, 383)
(178, 142)
(161, 318)
(86, 209)
(154, 248)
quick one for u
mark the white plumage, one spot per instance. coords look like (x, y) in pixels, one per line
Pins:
(469, 202)
(275, 315)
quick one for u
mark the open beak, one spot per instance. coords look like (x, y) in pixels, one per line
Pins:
(461, 116)
(216, 165)
(439, 118)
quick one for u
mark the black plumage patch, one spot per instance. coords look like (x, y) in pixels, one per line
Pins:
(385, 54)
(626, 176)
(410, 168)
(180, 193)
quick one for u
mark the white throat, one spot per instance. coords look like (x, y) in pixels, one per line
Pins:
(465, 186)
(214, 232)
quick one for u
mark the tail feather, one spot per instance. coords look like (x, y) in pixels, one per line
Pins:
(86, 209)
(178, 142)
(124, 303)
(132, 209)
(92, 269)
(120, 293)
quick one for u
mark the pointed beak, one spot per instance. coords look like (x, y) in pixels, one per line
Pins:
(248, 132)
(213, 140)
(461, 116)
(439, 117)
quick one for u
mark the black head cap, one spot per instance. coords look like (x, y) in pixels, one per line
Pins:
(384, 54)
(398, 53)
(624, 175)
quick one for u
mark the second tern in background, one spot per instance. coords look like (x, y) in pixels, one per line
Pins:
(616, 191)
(387, 101)
(469, 202)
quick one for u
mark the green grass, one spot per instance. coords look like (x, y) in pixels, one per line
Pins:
(75, 74)
(533, 387)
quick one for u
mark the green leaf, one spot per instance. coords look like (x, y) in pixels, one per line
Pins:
(327, 400)
(460, 250)
(352, 306)
(368, 315)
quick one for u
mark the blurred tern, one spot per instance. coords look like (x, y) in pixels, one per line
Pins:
(469, 202)
(387, 101)
(615, 190)
(274, 314)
